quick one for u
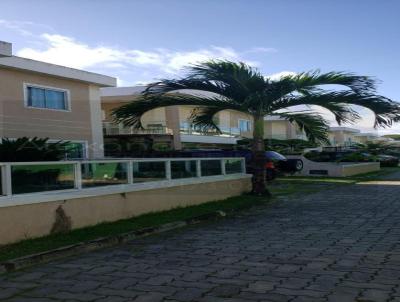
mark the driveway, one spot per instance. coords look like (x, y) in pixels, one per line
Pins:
(336, 245)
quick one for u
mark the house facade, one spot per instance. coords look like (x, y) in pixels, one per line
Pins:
(172, 125)
(43, 100)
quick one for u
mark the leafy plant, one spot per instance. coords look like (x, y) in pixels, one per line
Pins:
(31, 149)
(215, 86)
(357, 157)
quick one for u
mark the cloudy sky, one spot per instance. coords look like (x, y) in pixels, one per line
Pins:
(144, 40)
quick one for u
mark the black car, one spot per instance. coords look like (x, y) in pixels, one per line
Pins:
(276, 163)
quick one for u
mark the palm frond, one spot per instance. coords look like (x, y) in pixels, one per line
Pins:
(338, 102)
(199, 86)
(306, 81)
(204, 118)
(229, 79)
(131, 113)
(314, 126)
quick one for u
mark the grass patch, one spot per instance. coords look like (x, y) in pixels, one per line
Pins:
(42, 244)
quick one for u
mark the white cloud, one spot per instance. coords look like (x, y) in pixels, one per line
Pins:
(279, 75)
(262, 50)
(62, 50)
(23, 28)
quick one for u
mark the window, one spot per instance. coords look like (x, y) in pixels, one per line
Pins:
(244, 125)
(46, 98)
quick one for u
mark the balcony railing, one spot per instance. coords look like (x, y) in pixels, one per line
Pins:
(285, 137)
(110, 128)
(38, 177)
(188, 128)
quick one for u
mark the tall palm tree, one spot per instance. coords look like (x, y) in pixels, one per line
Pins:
(223, 85)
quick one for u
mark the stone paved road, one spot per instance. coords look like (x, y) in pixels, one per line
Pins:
(337, 245)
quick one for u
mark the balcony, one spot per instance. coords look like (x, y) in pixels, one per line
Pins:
(286, 137)
(192, 134)
(190, 129)
(110, 128)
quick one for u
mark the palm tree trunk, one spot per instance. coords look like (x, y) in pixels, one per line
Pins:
(258, 157)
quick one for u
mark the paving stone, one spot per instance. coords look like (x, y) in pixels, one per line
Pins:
(334, 245)
(261, 286)
(226, 291)
(188, 294)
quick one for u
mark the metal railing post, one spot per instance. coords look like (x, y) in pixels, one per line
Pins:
(223, 170)
(243, 165)
(6, 181)
(198, 168)
(130, 172)
(78, 176)
(168, 173)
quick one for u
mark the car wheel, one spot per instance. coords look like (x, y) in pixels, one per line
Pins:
(299, 165)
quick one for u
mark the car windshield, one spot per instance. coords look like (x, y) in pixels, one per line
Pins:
(274, 155)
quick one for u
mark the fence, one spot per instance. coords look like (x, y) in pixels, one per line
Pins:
(110, 128)
(34, 177)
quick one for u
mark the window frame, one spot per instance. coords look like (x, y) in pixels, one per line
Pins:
(245, 120)
(66, 93)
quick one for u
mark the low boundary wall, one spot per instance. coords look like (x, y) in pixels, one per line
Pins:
(312, 168)
(37, 218)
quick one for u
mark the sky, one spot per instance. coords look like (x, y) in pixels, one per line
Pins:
(140, 41)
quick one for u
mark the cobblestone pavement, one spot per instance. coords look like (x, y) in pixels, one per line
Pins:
(336, 245)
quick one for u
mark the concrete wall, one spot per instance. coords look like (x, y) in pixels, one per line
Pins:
(17, 120)
(35, 220)
(335, 169)
(153, 116)
(281, 129)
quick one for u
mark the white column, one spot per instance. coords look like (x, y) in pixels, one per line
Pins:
(97, 144)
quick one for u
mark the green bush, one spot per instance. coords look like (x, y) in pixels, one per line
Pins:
(283, 146)
(31, 149)
(357, 157)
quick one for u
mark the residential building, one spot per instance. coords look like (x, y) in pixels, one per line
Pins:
(363, 138)
(342, 136)
(276, 127)
(171, 125)
(39, 99)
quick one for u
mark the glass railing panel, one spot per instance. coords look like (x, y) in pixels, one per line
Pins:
(40, 178)
(183, 169)
(104, 174)
(148, 171)
(210, 167)
(233, 166)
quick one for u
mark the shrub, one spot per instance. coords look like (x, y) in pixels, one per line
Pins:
(31, 149)
(357, 157)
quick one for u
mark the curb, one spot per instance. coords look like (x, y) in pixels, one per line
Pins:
(100, 243)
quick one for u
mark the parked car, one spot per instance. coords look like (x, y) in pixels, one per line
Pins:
(276, 164)
(388, 160)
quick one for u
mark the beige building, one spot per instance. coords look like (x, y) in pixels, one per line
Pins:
(276, 127)
(43, 100)
(171, 125)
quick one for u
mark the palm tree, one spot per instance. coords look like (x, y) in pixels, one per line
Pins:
(223, 85)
